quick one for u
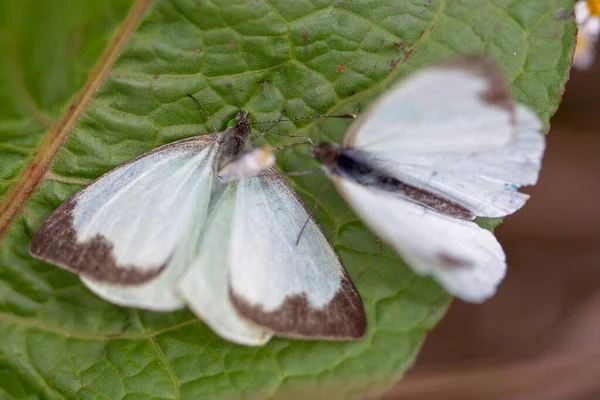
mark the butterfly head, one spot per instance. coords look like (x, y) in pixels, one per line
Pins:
(242, 118)
(326, 153)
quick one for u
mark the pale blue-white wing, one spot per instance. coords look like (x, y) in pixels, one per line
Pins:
(485, 182)
(460, 104)
(123, 234)
(205, 285)
(465, 259)
(298, 290)
(453, 129)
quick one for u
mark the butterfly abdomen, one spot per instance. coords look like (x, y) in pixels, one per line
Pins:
(428, 199)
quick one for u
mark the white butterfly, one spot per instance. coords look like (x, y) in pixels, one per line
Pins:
(161, 231)
(445, 146)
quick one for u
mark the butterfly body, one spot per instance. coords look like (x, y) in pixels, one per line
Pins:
(234, 141)
(356, 165)
(206, 222)
(446, 145)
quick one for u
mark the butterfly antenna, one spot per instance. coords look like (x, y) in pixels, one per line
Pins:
(302, 173)
(314, 208)
(264, 131)
(346, 116)
(308, 139)
(287, 146)
(214, 134)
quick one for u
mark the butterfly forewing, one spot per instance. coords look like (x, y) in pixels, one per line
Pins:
(296, 290)
(123, 230)
(453, 130)
(424, 112)
(485, 182)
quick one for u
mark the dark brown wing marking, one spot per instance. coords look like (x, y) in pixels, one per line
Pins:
(342, 319)
(452, 262)
(497, 93)
(56, 242)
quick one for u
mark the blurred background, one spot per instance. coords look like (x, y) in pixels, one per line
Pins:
(539, 337)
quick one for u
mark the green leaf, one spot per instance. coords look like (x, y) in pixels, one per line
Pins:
(304, 57)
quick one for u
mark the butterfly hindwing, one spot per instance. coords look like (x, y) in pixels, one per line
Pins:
(205, 285)
(466, 259)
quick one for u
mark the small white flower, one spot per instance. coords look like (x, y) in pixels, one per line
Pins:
(587, 16)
